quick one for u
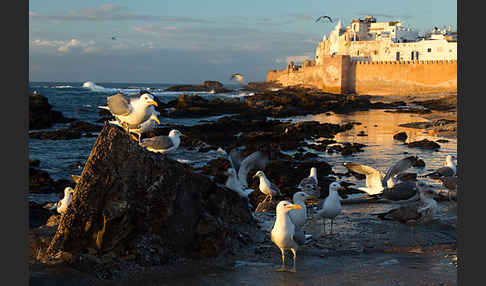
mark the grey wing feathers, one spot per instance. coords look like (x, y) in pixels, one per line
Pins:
(158, 142)
(235, 159)
(299, 236)
(401, 191)
(274, 188)
(398, 167)
(118, 104)
(255, 159)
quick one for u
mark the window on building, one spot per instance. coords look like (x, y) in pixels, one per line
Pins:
(376, 52)
(417, 55)
(411, 56)
(358, 53)
(398, 56)
(429, 50)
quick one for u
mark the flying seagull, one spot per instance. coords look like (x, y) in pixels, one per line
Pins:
(376, 181)
(239, 77)
(324, 17)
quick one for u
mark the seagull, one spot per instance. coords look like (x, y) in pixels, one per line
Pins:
(376, 181)
(417, 212)
(238, 77)
(143, 127)
(130, 110)
(401, 193)
(324, 17)
(234, 183)
(284, 233)
(266, 186)
(242, 166)
(299, 217)
(163, 144)
(62, 205)
(448, 170)
(310, 183)
(331, 206)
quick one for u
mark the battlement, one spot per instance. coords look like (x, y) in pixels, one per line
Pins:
(339, 74)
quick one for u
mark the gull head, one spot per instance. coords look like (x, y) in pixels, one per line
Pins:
(148, 99)
(175, 132)
(301, 197)
(286, 206)
(334, 187)
(68, 190)
(259, 174)
(313, 171)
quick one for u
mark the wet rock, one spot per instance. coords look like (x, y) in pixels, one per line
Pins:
(34, 163)
(267, 206)
(445, 103)
(40, 181)
(401, 136)
(196, 106)
(82, 126)
(41, 114)
(75, 165)
(424, 144)
(346, 148)
(208, 86)
(38, 215)
(132, 202)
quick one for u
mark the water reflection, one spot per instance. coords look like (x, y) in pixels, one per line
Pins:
(381, 149)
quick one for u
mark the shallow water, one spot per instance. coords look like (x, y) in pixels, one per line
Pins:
(79, 102)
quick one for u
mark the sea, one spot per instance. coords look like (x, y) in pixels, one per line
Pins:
(80, 100)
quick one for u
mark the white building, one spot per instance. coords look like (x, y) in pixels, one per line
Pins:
(368, 40)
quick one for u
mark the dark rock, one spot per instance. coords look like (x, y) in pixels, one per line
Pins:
(40, 181)
(41, 114)
(34, 163)
(424, 144)
(361, 133)
(208, 86)
(132, 202)
(84, 126)
(38, 215)
(75, 165)
(401, 136)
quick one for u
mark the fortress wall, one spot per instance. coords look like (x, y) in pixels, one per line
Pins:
(339, 74)
(404, 77)
(327, 77)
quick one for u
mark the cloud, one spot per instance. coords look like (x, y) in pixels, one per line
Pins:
(111, 12)
(67, 46)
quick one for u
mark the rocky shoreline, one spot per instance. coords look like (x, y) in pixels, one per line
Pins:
(135, 211)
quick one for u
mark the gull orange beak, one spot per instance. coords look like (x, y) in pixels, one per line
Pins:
(153, 102)
(294, 207)
(156, 118)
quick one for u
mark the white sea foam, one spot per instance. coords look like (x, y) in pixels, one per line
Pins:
(98, 88)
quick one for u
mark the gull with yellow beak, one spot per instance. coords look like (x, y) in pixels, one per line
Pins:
(130, 110)
(144, 127)
(163, 144)
(331, 206)
(284, 233)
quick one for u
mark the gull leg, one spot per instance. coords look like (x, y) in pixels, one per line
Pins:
(282, 268)
(324, 227)
(295, 257)
(332, 222)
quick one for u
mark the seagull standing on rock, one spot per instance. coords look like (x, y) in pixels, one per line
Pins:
(142, 128)
(267, 187)
(130, 110)
(331, 206)
(62, 205)
(163, 144)
(284, 233)
(448, 170)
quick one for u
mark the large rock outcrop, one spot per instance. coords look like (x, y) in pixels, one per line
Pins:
(133, 204)
(41, 114)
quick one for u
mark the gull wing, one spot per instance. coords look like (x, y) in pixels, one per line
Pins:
(157, 142)
(398, 167)
(373, 176)
(119, 104)
(235, 159)
(255, 159)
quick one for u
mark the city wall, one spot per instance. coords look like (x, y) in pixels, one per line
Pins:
(338, 74)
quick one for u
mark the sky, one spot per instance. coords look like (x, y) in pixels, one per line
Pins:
(182, 41)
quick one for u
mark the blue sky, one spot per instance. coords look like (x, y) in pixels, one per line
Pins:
(182, 41)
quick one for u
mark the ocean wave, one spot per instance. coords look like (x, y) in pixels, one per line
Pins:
(98, 88)
(61, 86)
